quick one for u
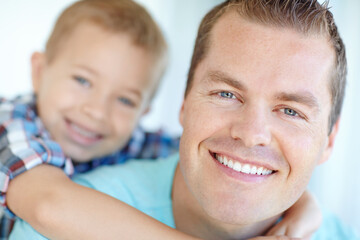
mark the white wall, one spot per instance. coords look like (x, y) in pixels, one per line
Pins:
(25, 25)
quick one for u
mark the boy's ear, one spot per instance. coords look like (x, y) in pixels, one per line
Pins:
(38, 62)
(330, 143)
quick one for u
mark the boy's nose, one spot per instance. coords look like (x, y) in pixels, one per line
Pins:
(96, 108)
(252, 128)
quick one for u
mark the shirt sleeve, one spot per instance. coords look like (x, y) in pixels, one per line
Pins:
(22, 147)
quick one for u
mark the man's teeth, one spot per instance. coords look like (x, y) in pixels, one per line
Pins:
(244, 168)
(83, 132)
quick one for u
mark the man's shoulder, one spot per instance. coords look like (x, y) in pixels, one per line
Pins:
(333, 228)
(133, 178)
(143, 184)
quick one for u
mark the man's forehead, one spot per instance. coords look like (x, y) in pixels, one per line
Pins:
(239, 39)
(231, 23)
(237, 54)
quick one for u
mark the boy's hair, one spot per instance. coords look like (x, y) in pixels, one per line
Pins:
(305, 16)
(118, 16)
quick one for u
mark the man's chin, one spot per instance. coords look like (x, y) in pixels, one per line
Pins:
(250, 223)
(241, 211)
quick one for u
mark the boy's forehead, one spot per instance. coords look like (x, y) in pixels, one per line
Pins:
(83, 27)
(81, 34)
(89, 33)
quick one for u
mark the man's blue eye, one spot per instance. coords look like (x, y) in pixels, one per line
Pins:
(126, 101)
(227, 95)
(82, 81)
(290, 112)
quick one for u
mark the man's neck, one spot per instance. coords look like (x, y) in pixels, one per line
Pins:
(192, 219)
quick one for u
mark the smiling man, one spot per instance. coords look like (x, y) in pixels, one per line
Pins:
(264, 94)
(261, 111)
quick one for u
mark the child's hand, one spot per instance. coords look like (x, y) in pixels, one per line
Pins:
(301, 220)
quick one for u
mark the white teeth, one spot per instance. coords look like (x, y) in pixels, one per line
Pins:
(246, 168)
(225, 161)
(253, 170)
(237, 166)
(83, 131)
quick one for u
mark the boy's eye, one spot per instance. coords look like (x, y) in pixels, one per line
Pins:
(290, 112)
(224, 94)
(126, 101)
(82, 81)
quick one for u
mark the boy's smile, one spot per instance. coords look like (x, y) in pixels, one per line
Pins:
(82, 135)
(92, 94)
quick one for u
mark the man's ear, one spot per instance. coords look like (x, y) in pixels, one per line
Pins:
(330, 143)
(38, 62)
(181, 114)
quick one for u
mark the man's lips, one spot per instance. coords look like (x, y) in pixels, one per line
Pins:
(242, 167)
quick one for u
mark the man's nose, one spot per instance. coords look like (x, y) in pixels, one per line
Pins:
(252, 127)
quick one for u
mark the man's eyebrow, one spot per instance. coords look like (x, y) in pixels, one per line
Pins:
(218, 76)
(305, 98)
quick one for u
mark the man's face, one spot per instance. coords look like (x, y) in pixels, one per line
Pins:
(255, 120)
(92, 94)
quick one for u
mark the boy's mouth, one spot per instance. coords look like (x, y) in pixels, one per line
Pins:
(82, 135)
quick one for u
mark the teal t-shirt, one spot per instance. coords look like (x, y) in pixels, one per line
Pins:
(146, 185)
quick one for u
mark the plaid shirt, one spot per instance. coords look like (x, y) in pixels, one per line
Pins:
(25, 143)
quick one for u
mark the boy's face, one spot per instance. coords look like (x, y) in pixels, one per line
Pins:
(92, 94)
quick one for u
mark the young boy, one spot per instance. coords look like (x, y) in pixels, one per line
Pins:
(101, 67)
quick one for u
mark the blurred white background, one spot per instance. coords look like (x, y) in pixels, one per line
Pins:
(25, 26)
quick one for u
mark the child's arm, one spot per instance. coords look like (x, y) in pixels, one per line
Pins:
(61, 209)
(301, 220)
(23, 144)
